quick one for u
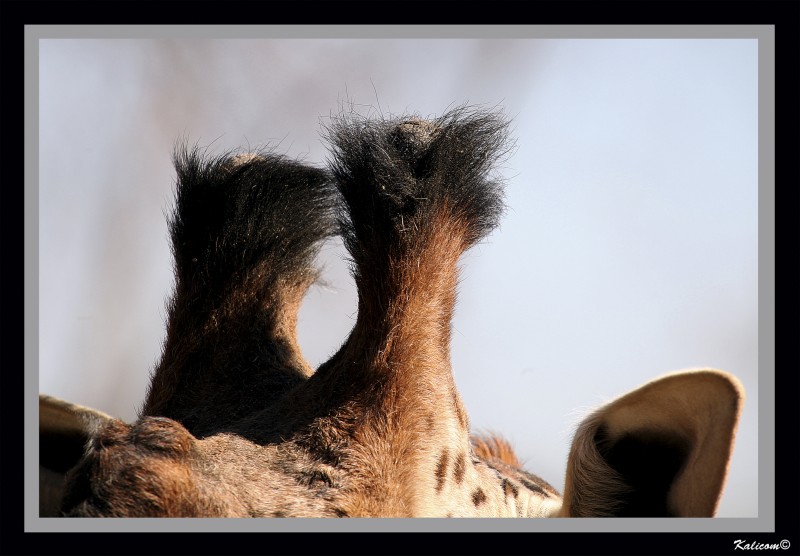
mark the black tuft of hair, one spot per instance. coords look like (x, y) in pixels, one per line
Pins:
(399, 174)
(234, 212)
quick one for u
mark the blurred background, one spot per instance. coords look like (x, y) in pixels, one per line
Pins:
(629, 249)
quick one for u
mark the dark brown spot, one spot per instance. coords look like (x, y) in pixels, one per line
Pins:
(340, 512)
(478, 497)
(441, 470)
(458, 469)
(278, 514)
(429, 420)
(320, 476)
(509, 488)
(449, 514)
(460, 415)
(531, 486)
(540, 483)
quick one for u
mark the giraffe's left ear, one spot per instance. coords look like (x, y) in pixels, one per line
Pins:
(64, 431)
(661, 450)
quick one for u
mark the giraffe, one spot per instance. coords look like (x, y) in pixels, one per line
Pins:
(237, 424)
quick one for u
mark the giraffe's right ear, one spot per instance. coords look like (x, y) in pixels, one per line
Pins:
(64, 431)
(661, 450)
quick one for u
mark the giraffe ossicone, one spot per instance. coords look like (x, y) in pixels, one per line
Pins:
(236, 423)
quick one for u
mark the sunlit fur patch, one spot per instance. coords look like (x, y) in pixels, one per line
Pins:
(493, 447)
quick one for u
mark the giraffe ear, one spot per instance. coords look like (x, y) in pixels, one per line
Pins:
(64, 431)
(661, 450)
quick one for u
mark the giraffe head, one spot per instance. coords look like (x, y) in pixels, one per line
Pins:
(236, 423)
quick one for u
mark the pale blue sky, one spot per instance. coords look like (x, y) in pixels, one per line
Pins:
(630, 247)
